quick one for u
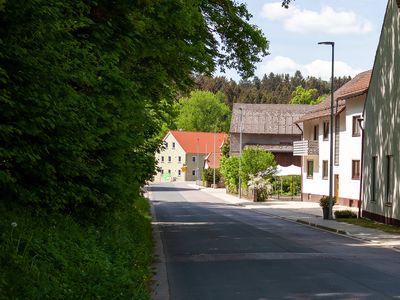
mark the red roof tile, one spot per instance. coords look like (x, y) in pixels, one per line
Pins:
(198, 142)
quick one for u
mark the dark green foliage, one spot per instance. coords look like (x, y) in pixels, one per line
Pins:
(55, 257)
(208, 175)
(272, 88)
(86, 87)
(203, 111)
(254, 161)
(226, 148)
(344, 214)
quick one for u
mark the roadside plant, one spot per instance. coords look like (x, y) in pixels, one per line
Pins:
(262, 186)
(325, 201)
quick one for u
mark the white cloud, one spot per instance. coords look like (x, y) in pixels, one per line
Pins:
(327, 20)
(317, 68)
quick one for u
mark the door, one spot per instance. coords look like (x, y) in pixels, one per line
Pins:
(336, 188)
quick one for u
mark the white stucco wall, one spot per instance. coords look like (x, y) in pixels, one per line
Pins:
(382, 121)
(349, 149)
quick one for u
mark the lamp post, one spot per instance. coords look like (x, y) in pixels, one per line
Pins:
(240, 150)
(331, 131)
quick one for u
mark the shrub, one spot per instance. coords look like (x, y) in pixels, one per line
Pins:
(345, 214)
(208, 175)
(261, 186)
(56, 257)
(230, 172)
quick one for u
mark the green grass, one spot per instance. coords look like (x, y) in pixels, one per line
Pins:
(56, 257)
(371, 224)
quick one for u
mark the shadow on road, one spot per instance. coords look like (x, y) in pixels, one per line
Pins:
(169, 189)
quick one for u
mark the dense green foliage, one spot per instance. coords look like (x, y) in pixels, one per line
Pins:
(345, 214)
(254, 161)
(56, 257)
(272, 88)
(305, 96)
(86, 87)
(208, 175)
(230, 172)
(203, 111)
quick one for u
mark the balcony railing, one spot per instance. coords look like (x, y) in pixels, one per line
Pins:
(304, 148)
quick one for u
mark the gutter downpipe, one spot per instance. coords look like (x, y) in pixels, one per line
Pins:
(301, 165)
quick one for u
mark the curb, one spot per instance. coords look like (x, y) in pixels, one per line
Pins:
(323, 227)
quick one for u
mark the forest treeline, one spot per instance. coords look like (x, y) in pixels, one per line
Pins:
(272, 88)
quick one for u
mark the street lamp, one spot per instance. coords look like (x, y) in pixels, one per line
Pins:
(240, 150)
(331, 131)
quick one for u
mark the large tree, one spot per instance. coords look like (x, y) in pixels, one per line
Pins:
(85, 86)
(203, 111)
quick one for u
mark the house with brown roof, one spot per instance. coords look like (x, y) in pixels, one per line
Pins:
(183, 155)
(271, 126)
(314, 149)
(381, 163)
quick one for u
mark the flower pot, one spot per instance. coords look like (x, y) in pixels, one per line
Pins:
(325, 212)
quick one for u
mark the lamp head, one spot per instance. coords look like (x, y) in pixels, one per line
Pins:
(326, 43)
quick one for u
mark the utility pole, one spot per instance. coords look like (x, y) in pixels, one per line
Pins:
(240, 150)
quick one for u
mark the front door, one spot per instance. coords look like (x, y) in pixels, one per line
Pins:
(336, 188)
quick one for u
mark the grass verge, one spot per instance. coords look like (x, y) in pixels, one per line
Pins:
(371, 224)
(56, 257)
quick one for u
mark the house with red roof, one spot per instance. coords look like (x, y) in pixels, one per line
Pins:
(185, 154)
(314, 149)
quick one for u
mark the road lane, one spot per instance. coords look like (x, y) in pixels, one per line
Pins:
(219, 251)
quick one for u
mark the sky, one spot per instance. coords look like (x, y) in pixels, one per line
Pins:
(294, 33)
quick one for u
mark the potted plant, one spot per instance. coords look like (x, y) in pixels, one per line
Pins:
(324, 202)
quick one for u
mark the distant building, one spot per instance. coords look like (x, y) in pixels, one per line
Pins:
(381, 164)
(271, 126)
(184, 153)
(314, 149)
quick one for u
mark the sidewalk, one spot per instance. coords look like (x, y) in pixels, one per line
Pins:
(309, 213)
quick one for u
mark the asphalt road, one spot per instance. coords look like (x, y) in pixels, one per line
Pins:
(219, 251)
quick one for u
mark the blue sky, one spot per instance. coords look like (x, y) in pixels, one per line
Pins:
(354, 26)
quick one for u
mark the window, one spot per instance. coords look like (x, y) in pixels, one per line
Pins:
(324, 169)
(162, 158)
(356, 126)
(310, 168)
(169, 171)
(162, 171)
(179, 172)
(193, 158)
(326, 130)
(373, 178)
(389, 177)
(316, 132)
(194, 172)
(355, 169)
(173, 145)
(166, 145)
(169, 159)
(179, 159)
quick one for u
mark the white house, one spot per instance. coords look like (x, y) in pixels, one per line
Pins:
(184, 153)
(381, 163)
(314, 148)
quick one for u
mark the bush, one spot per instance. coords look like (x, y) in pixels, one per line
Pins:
(208, 175)
(56, 257)
(286, 185)
(345, 214)
(230, 172)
